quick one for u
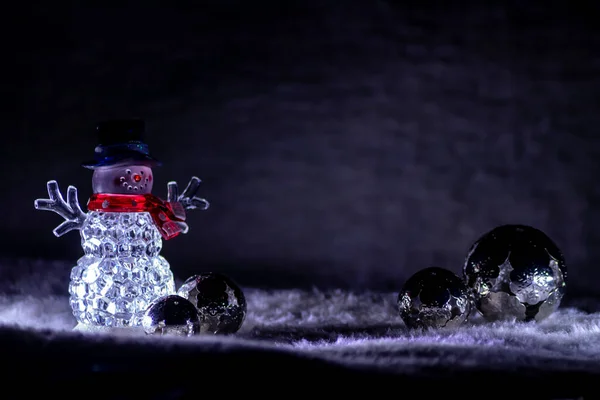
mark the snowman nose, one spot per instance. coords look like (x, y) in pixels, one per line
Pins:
(137, 178)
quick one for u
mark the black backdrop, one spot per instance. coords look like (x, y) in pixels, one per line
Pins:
(343, 144)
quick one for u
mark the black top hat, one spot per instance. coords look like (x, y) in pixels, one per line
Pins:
(121, 142)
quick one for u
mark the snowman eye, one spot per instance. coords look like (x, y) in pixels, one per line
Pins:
(128, 171)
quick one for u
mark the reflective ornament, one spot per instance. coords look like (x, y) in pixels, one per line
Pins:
(434, 298)
(517, 273)
(220, 302)
(171, 315)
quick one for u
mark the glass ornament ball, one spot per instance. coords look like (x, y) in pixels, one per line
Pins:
(515, 272)
(220, 302)
(171, 315)
(434, 298)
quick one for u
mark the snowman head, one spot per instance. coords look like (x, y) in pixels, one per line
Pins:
(122, 163)
(123, 179)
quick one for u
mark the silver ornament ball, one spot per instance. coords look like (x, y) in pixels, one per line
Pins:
(171, 315)
(515, 272)
(434, 298)
(220, 302)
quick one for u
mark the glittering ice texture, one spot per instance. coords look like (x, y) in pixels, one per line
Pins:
(516, 272)
(122, 271)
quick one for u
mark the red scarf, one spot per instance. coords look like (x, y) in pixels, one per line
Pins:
(168, 217)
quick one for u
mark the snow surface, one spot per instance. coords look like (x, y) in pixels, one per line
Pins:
(354, 330)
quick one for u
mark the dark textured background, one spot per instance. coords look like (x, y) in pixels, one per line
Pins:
(340, 143)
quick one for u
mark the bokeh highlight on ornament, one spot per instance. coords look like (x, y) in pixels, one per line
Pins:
(434, 298)
(515, 272)
(220, 302)
(171, 315)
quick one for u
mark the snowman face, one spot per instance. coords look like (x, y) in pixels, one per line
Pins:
(122, 179)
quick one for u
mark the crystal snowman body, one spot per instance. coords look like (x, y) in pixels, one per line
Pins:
(121, 272)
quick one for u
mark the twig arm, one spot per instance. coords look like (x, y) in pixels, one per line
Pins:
(70, 210)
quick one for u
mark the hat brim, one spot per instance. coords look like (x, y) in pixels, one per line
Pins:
(116, 160)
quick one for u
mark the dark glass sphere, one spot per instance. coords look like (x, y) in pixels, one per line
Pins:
(220, 302)
(171, 315)
(434, 298)
(515, 272)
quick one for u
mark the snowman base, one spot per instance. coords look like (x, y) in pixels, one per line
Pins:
(97, 329)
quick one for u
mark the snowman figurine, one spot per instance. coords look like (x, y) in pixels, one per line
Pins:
(121, 272)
